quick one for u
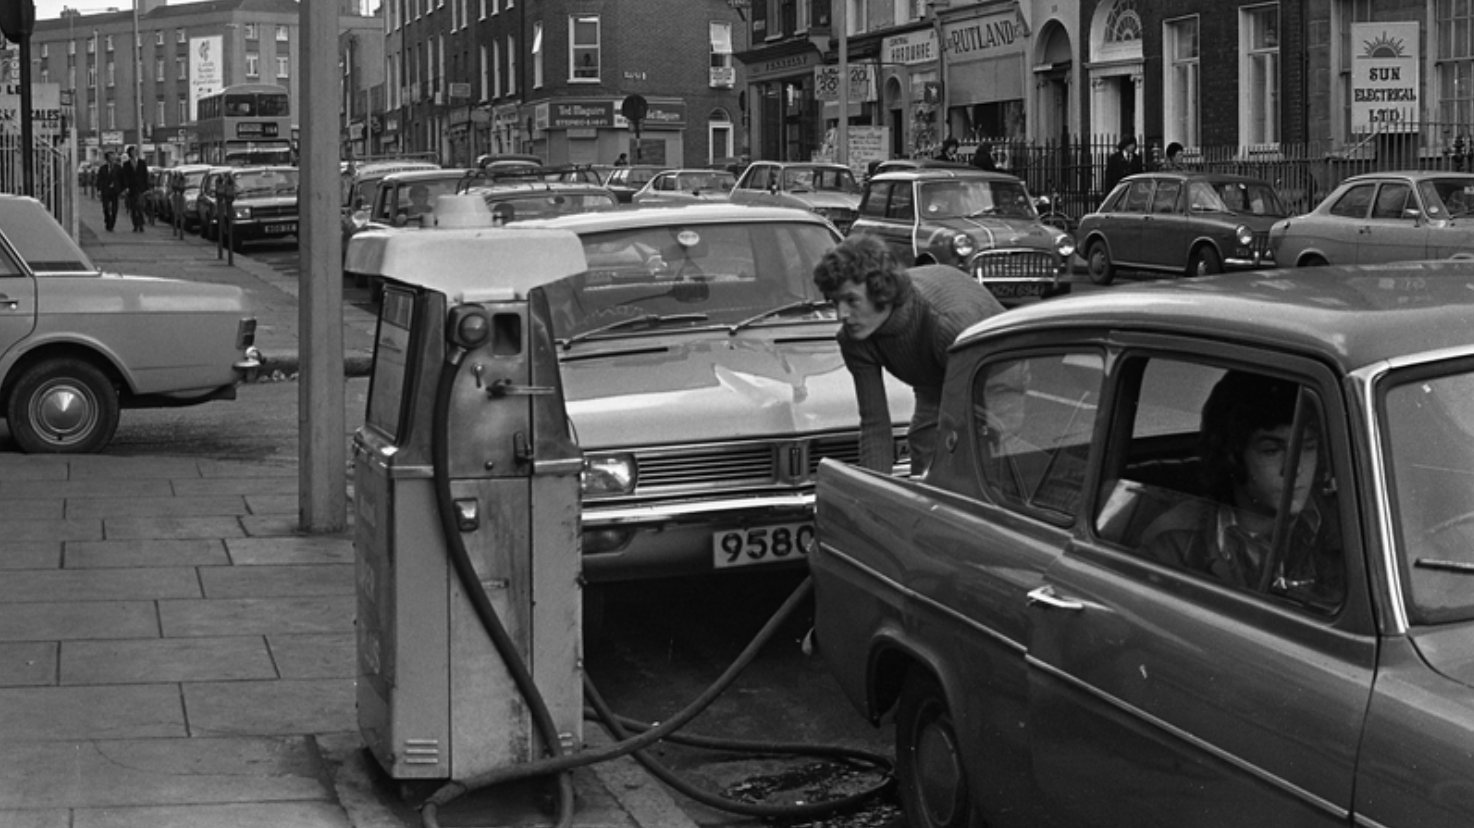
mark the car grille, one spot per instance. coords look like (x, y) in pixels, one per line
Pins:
(735, 465)
(1015, 264)
(274, 211)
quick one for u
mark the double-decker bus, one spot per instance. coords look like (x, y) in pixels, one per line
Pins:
(248, 123)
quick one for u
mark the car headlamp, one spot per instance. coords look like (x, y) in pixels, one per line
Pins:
(1064, 244)
(1244, 235)
(964, 245)
(607, 474)
(242, 212)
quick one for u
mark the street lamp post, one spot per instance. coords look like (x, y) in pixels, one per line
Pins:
(138, 75)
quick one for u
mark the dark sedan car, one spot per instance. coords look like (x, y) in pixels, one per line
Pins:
(1057, 650)
(1189, 223)
(982, 222)
(1382, 217)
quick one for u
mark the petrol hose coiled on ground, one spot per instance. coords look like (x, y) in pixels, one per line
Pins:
(619, 727)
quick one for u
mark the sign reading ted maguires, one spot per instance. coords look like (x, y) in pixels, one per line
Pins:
(1384, 77)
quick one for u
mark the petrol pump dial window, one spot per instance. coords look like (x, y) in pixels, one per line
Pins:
(391, 351)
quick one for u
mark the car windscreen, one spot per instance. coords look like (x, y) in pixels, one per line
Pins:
(819, 179)
(961, 198)
(538, 204)
(1428, 438)
(1448, 197)
(40, 240)
(265, 183)
(707, 274)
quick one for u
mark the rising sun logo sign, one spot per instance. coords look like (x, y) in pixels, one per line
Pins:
(1384, 77)
(1383, 45)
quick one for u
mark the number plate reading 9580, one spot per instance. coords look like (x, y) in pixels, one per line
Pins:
(762, 545)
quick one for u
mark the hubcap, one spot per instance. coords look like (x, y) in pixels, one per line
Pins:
(939, 774)
(63, 413)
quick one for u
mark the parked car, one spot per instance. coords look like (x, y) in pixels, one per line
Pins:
(685, 187)
(77, 345)
(1198, 554)
(1180, 223)
(520, 200)
(198, 210)
(361, 180)
(624, 182)
(982, 222)
(827, 189)
(702, 375)
(409, 197)
(1382, 217)
(263, 205)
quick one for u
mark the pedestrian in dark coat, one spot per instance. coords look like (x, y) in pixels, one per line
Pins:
(135, 180)
(109, 186)
(983, 158)
(1123, 162)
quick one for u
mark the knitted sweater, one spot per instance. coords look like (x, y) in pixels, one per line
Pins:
(912, 344)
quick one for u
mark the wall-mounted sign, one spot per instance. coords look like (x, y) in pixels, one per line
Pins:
(1384, 77)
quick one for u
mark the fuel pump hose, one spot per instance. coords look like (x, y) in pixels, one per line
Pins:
(557, 762)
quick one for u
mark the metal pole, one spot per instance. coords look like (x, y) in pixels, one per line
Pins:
(138, 76)
(842, 137)
(322, 470)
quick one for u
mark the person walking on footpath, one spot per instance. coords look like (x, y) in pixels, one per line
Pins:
(1123, 162)
(900, 320)
(135, 179)
(109, 185)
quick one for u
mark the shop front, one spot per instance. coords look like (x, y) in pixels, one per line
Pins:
(910, 92)
(986, 69)
(592, 131)
(783, 112)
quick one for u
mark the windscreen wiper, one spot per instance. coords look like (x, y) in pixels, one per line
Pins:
(801, 306)
(651, 319)
(1446, 566)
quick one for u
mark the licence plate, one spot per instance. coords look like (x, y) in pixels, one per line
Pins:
(284, 227)
(761, 545)
(1017, 290)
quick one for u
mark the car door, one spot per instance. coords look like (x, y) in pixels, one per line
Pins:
(1124, 226)
(17, 302)
(876, 218)
(1165, 690)
(1165, 229)
(752, 188)
(1396, 229)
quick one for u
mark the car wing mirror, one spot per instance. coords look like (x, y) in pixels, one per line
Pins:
(1412, 213)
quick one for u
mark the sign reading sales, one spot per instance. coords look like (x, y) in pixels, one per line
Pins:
(1384, 77)
(45, 109)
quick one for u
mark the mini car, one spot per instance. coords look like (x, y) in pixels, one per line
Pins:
(1180, 223)
(703, 380)
(360, 181)
(982, 222)
(409, 197)
(1044, 663)
(625, 181)
(77, 344)
(827, 189)
(1382, 217)
(685, 187)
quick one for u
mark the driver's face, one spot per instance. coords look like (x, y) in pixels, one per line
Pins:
(1265, 459)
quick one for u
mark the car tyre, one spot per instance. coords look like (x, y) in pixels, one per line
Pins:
(1098, 263)
(933, 784)
(63, 406)
(1204, 262)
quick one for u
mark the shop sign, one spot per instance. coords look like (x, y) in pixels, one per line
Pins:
(788, 65)
(1384, 77)
(984, 37)
(45, 109)
(911, 48)
(658, 115)
(861, 86)
(574, 114)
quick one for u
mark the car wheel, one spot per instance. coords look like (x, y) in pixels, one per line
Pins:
(1204, 262)
(933, 784)
(63, 406)
(1098, 263)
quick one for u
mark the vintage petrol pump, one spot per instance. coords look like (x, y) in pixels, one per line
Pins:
(465, 425)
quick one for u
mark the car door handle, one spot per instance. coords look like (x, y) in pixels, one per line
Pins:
(1045, 595)
(9, 304)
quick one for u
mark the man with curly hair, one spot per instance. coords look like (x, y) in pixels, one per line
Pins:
(903, 321)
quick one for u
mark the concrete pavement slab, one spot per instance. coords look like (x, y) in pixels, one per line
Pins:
(290, 550)
(142, 711)
(129, 469)
(30, 555)
(156, 660)
(276, 504)
(28, 664)
(85, 585)
(330, 655)
(242, 616)
(104, 773)
(71, 621)
(124, 528)
(271, 708)
(50, 818)
(269, 581)
(243, 486)
(53, 529)
(255, 815)
(170, 506)
(35, 508)
(93, 487)
(146, 553)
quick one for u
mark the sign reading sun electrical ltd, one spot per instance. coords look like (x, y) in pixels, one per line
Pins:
(1384, 77)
